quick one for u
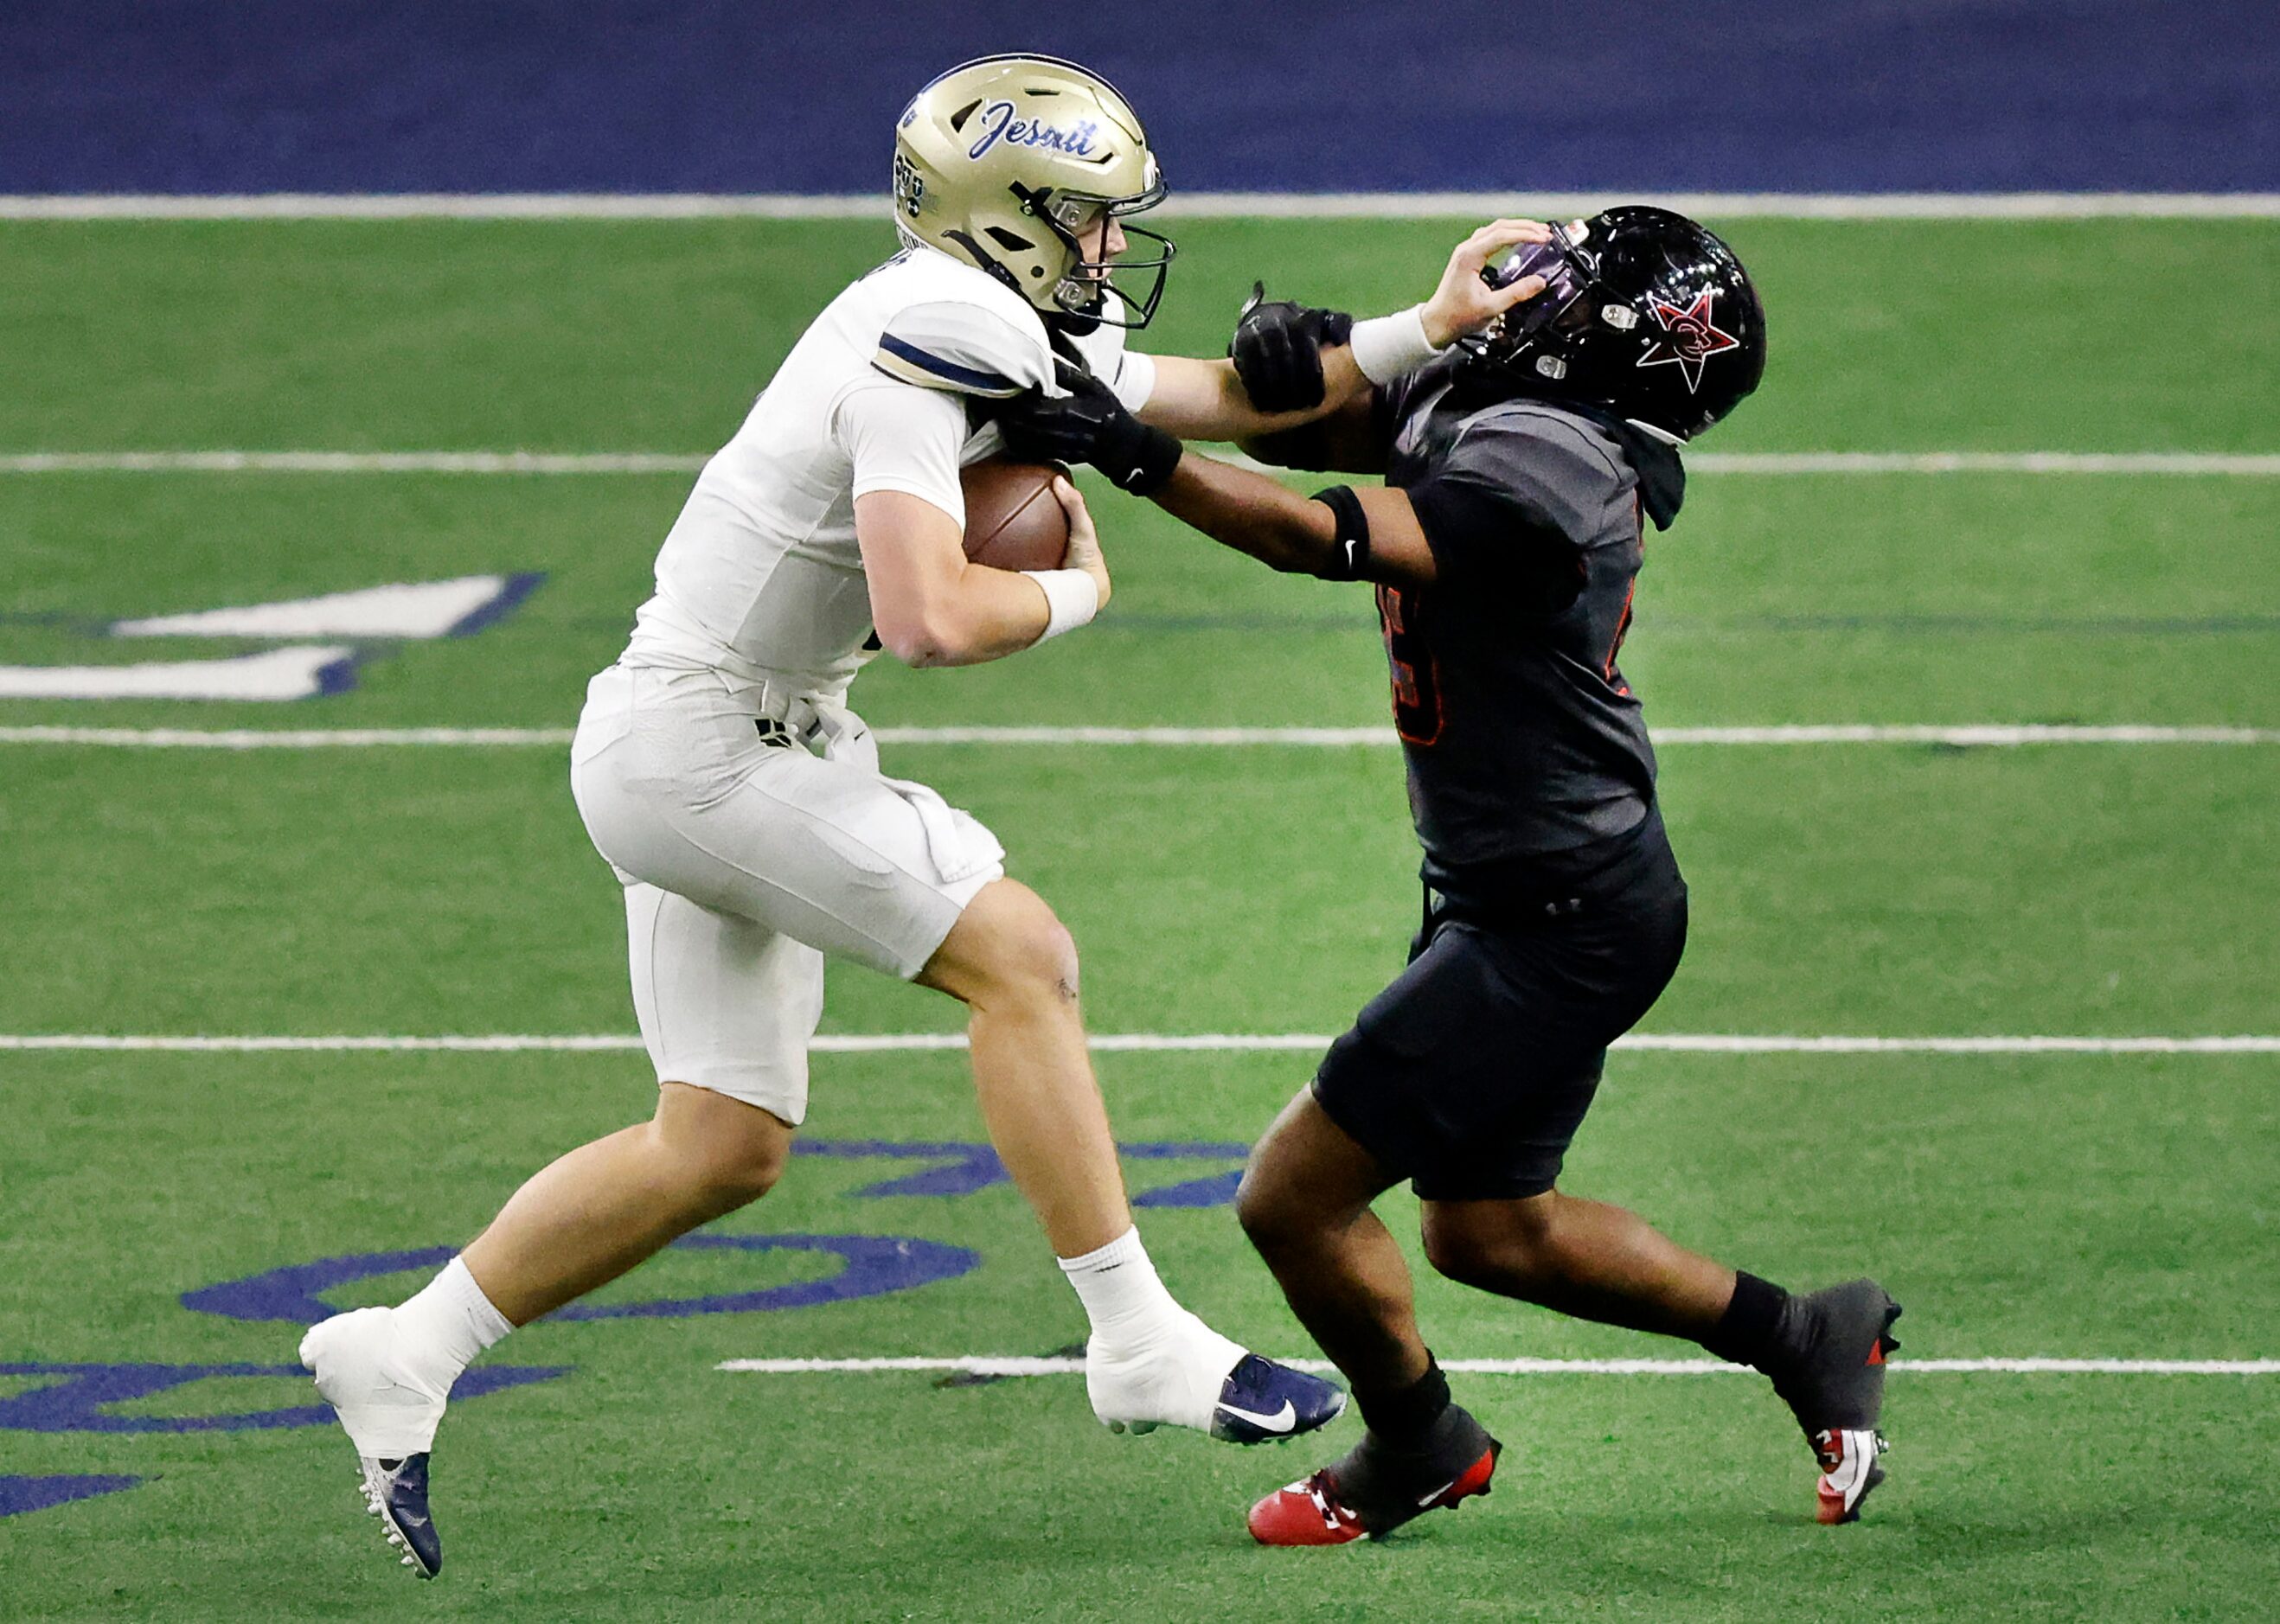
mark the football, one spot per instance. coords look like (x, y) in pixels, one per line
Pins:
(1012, 519)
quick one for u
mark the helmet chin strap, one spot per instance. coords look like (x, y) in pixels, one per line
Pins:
(1076, 324)
(975, 251)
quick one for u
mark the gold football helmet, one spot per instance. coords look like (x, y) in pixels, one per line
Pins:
(1003, 160)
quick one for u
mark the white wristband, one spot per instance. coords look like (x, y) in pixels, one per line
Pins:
(1385, 347)
(1072, 598)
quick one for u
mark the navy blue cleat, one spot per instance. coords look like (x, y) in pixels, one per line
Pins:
(396, 1493)
(1263, 1402)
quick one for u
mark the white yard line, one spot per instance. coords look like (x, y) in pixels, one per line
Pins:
(302, 738)
(2002, 736)
(1191, 206)
(2220, 465)
(1123, 1043)
(1011, 1364)
(2251, 466)
(350, 462)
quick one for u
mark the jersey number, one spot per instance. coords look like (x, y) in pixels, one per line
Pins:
(1409, 659)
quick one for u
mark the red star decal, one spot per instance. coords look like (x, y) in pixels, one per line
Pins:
(1689, 338)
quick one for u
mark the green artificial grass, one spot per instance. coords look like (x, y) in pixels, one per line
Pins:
(2108, 1205)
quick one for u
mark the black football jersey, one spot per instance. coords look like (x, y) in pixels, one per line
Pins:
(1526, 747)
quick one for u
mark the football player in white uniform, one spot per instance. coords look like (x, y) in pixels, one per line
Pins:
(740, 802)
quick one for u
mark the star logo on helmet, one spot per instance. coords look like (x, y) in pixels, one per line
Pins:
(1689, 338)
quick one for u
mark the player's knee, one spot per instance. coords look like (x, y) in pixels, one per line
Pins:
(1272, 1222)
(737, 1176)
(1029, 949)
(1048, 959)
(1497, 1245)
(1008, 948)
(1455, 1252)
(726, 1152)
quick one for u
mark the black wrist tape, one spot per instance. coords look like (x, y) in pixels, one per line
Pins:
(1154, 458)
(1350, 557)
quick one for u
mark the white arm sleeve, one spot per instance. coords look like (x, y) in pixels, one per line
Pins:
(902, 438)
(1130, 374)
(1136, 378)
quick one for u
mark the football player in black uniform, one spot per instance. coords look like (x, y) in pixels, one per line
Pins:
(1520, 466)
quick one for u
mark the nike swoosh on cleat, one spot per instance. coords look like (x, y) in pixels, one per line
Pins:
(1428, 1499)
(1281, 1420)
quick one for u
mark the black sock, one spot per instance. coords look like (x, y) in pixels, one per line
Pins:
(1404, 1416)
(1750, 1332)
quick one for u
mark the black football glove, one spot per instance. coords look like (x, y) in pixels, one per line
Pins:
(1089, 425)
(1277, 350)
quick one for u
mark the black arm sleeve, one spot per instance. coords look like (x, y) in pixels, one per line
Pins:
(1334, 444)
(1306, 447)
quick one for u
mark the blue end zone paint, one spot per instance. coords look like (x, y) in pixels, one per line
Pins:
(509, 599)
(1217, 1191)
(871, 1266)
(339, 677)
(723, 96)
(290, 1294)
(78, 1398)
(18, 1495)
(875, 1265)
(971, 1167)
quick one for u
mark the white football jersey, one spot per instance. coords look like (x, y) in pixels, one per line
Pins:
(760, 578)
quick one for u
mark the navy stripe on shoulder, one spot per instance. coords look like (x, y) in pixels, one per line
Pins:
(949, 371)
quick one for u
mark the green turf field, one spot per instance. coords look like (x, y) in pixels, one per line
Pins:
(2097, 1205)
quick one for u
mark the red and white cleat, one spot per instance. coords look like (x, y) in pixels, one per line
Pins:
(1836, 1389)
(1305, 1513)
(1313, 1512)
(1848, 1472)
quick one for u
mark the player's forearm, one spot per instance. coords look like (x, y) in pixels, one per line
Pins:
(930, 605)
(982, 614)
(1204, 400)
(1251, 514)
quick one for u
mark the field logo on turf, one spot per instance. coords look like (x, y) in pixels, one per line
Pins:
(151, 1397)
(324, 640)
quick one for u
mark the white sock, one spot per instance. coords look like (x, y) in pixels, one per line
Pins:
(443, 1326)
(1128, 1305)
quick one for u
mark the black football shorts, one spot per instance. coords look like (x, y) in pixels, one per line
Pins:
(1470, 1074)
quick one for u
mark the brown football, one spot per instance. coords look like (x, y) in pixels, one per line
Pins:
(1012, 521)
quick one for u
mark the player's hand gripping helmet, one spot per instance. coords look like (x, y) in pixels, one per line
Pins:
(1646, 314)
(1003, 159)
